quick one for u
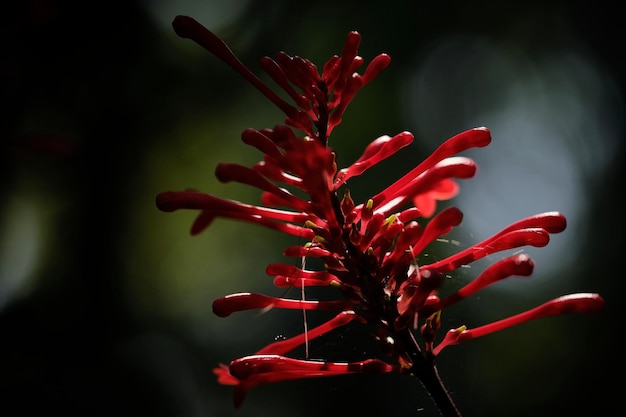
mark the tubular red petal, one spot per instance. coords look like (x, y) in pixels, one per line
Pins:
(375, 67)
(272, 200)
(440, 225)
(204, 220)
(519, 265)
(186, 27)
(289, 275)
(409, 214)
(533, 237)
(370, 365)
(357, 62)
(400, 192)
(348, 54)
(287, 228)
(283, 346)
(282, 136)
(273, 172)
(226, 172)
(260, 141)
(451, 338)
(225, 306)
(313, 252)
(176, 200)
(378, 150)
(278, 75)
(350, 89)
(300, 72)
(587, 303)
(274, 365)
(552, 222)
(282, 281)
(330, 70)
(533, 231)
(477, 137)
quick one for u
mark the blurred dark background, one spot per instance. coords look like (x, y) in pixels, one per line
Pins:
(105, 302)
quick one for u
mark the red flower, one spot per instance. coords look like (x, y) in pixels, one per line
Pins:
(370, 249)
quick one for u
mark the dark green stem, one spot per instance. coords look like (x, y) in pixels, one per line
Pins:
(426, 371)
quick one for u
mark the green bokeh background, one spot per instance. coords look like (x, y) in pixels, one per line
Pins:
(105, 302)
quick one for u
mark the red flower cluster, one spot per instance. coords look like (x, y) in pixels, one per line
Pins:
(369, 250)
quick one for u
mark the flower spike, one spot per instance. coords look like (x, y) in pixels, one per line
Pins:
(368, 254)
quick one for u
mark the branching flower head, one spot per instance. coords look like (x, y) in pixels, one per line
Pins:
(369, 249)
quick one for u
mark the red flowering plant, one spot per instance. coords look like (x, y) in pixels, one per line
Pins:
(369, 250)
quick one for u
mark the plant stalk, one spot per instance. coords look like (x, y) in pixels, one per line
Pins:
(425, 370)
